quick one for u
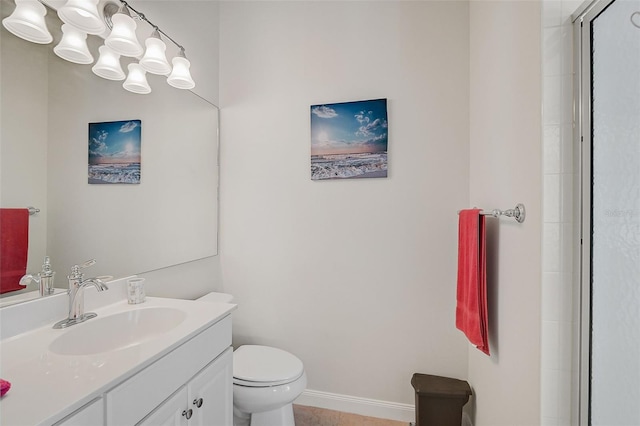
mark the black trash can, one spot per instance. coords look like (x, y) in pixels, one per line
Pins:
(439, 400)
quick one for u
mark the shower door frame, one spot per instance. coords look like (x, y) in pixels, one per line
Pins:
(583, 111)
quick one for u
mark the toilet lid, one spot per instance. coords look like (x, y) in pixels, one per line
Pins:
(259, 365)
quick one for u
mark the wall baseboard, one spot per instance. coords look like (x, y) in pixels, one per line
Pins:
(357, 405)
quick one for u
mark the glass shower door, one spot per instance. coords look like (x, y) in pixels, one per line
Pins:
(615, 215)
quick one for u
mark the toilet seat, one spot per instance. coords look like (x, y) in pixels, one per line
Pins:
(262, 366)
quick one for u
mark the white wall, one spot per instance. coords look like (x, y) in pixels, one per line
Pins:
(356, 277)
(505, 168)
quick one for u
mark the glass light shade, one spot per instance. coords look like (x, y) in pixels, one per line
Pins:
(136, 81)
(108, 65)
(180, 77)
(27, 22)
(155, 59)
(73, 46)
(82, 14)
(122, 39)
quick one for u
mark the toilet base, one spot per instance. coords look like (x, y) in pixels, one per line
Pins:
(282, 417)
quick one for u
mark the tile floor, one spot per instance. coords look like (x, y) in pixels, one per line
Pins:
(313, 416)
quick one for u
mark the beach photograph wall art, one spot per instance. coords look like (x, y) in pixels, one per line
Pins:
(114, 152)
(349, 140)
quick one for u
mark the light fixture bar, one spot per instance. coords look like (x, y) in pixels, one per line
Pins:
(144, 18)
(179, 75)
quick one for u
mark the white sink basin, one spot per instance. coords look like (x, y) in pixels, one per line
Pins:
(117, 331)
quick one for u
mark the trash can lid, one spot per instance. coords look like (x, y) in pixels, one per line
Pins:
(443, 387)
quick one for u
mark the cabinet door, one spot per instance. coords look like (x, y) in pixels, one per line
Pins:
(132, 400)
(172, 412)
(211, 393)
(91, 414)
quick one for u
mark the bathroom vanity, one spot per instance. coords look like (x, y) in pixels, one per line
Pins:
(162, 362)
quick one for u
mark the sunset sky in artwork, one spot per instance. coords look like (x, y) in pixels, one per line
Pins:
(114, 142)
(349, 128)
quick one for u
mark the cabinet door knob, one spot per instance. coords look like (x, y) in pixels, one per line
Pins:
(197, 402)
(188, 413)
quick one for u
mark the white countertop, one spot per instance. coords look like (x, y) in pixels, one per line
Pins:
(46, 386)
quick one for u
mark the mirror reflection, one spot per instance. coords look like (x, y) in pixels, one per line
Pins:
(47, 103)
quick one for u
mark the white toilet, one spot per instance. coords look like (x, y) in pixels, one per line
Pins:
(266, 381)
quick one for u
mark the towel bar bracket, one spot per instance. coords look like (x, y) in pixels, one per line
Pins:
(518, 213)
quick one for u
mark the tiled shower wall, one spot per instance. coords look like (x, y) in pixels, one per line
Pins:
(560, 313)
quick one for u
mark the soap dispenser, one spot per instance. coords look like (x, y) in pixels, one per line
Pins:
(46, 277)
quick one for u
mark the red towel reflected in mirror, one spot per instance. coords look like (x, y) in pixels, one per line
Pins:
(14, 245)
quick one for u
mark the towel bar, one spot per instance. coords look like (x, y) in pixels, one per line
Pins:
(518, 213)
(33, 210)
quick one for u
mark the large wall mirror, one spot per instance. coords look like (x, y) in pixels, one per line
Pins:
(169, 218)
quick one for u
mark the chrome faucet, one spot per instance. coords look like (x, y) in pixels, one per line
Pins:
(77, 284)
(44, 278)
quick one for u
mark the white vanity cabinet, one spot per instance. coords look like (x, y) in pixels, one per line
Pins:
(171, 413)
(204, 401)
(188, 366)
(210, 393)
(147, 371)
(91, 414)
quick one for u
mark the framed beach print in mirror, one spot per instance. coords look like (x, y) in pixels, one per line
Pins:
(114, 152)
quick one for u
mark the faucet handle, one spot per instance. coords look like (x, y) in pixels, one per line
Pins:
(75, 269)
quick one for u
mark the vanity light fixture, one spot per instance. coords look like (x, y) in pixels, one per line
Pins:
(82, 14)
(81, 17)
(155, 58)
(73, 46)
(180, 77)
(136, 81)
(122, 39)
(27, 22)
(108, 65)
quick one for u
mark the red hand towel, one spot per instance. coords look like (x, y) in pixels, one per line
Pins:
(471, 310)
(14, 243)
